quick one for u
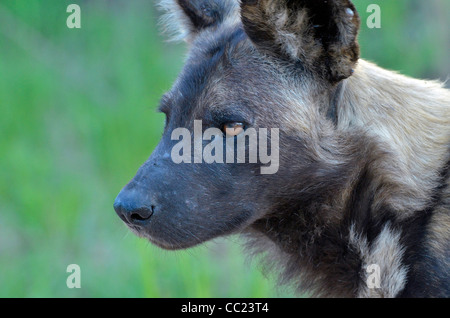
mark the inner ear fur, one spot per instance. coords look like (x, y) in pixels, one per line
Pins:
(184, 19)
(320, 34)
(201, 13)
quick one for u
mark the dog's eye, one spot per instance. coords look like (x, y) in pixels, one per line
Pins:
(232, 129)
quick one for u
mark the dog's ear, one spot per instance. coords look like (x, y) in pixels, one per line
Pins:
(319, 34)
(185, 18)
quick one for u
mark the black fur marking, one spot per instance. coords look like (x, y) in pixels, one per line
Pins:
(424, 277)
(321, 16)
(332, 112)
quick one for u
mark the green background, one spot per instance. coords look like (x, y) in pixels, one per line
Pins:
(78, 117)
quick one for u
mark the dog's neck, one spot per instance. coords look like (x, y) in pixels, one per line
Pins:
(325, 241)
(370, 205)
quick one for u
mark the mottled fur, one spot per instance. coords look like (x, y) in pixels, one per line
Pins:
(368, 186)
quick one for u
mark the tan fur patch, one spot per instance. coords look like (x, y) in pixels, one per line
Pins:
(410, 117)
(386, 253)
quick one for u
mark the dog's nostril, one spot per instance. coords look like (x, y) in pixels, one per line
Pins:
(131, 209)
(142, 214)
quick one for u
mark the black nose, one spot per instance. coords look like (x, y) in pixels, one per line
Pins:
(130, 208)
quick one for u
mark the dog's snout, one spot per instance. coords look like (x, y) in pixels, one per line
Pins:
(131, 209)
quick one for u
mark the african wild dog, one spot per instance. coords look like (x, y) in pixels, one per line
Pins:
(364, 152)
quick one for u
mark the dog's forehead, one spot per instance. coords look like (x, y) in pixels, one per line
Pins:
(211, 57)
(223, 36)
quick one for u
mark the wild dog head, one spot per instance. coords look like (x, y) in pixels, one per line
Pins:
(268, 64)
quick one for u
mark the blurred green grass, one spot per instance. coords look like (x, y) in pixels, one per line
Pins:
(77, 120)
